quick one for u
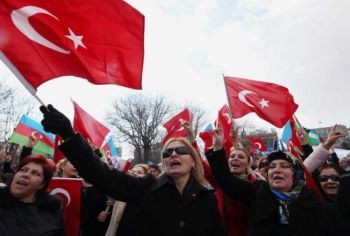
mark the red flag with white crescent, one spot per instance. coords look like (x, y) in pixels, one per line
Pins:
(101, 41)
(257, 143)
(271, 102)
(90, 128)
(68, 190)
(174, 125)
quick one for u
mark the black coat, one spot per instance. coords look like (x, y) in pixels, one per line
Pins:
(93, 202)
(162, 210)
(343, 200)
(309, 216)
(41, 218)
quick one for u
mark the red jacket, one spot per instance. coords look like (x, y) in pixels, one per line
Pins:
(235, 216)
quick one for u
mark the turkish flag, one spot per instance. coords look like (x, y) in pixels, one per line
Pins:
(57, 155)
(174, 125)
(68, 191)
(224, 118)
(101, 41)
(89, 127)
(207, 136)
(269, 101)
(257, 143)
(294, 143)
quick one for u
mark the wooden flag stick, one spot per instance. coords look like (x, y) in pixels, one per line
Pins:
(20, 77)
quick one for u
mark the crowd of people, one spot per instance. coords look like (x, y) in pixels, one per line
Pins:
(222, 194)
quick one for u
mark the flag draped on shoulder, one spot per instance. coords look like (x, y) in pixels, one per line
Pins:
(89, 127)
(271, 102)
(28, 127)
(101, 41)
(174, 126)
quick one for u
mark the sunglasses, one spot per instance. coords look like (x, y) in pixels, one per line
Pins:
(324, 178)
(178, 150)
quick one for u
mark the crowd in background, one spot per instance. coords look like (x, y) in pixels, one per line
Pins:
(220, 194)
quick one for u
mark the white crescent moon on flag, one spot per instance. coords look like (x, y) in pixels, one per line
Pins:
(182, 128)
(258, 145)
(20, 20)
(242, 98)
(108, 153)
(36, 134)
(61, 191)
(228, 118)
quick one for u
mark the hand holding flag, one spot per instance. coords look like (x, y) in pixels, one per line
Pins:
(31, 133)
(56, 123)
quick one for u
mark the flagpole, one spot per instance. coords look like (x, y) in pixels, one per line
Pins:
(20, 77)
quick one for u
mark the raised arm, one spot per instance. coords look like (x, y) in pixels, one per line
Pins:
(234, 187)
(110, 182)
(321, 154)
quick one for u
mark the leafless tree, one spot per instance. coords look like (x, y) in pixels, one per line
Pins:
(136, 119)
(12, 107)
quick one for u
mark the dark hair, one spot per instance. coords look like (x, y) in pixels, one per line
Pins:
(48, 166)
(333, 166)
(316, 174)
(154, 166)
(277, 155)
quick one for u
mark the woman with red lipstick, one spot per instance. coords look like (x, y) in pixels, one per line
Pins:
(280, 206)
(25, 206)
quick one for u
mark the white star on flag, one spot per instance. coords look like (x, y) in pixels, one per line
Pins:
(264, 103)
(77, 40)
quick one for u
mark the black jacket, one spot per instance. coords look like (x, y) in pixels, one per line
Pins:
(93, 202)
(41, 218)
(162, 210)
(308, 215)
(343, 200)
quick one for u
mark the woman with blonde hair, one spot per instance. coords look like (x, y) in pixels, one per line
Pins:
(177, 203)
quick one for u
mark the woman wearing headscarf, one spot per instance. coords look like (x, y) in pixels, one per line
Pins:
(26, 208)
(280, 206)
(177, 203)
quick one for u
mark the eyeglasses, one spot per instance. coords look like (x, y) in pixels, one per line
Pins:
(178, 150)
(324, 178)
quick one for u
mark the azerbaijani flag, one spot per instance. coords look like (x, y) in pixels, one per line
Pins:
(28, 127)
(109, 149)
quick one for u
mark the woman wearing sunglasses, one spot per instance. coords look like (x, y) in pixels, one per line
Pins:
(177, 203)
(280, 206)
(328, 179)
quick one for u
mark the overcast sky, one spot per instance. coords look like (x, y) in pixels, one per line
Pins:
(189, 45)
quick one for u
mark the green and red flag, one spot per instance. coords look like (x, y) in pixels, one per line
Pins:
(28, 127)
(311, 135)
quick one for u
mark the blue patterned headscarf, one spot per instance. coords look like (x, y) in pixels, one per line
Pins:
(298, 183)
